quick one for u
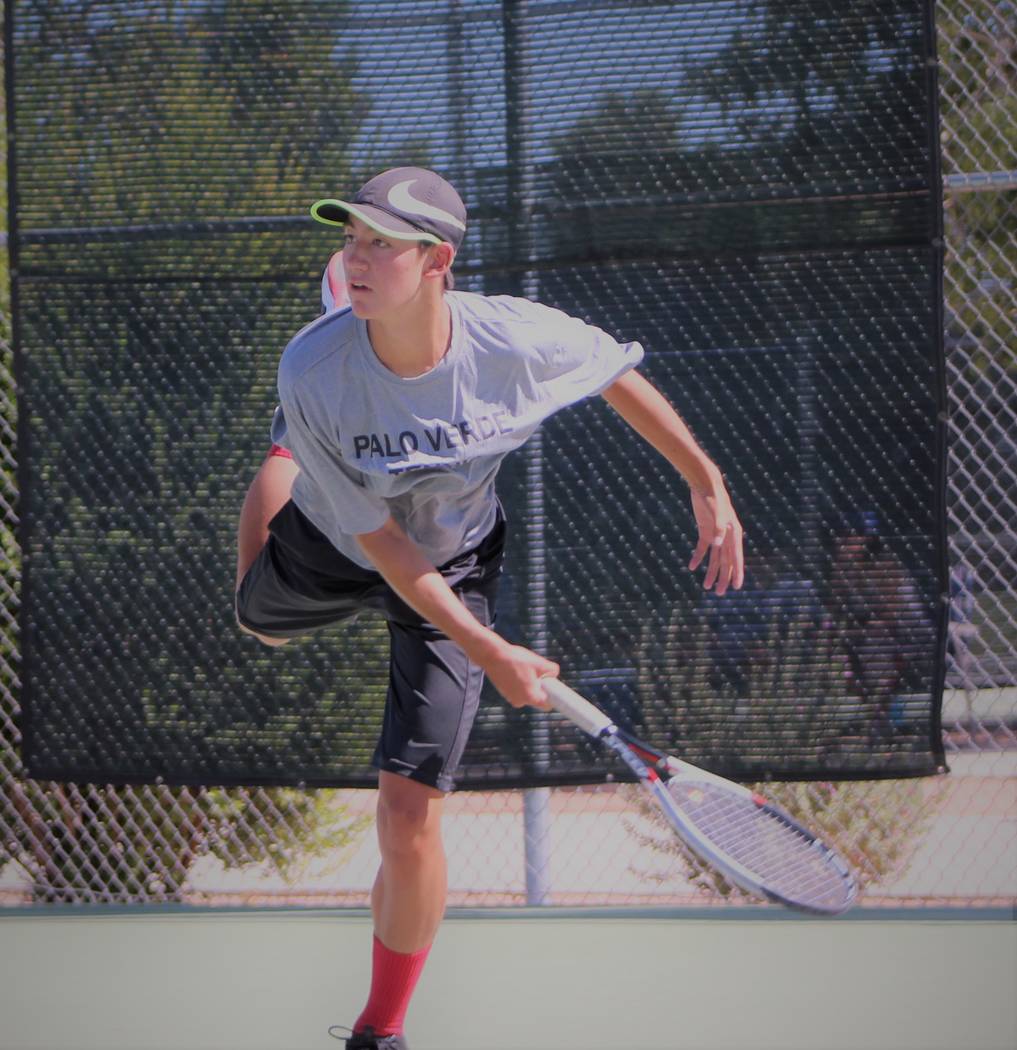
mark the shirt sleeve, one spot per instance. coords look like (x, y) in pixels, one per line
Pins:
(278, 432)
(575, 360)
(339, 491)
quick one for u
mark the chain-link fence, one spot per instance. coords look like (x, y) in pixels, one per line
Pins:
(941, 839)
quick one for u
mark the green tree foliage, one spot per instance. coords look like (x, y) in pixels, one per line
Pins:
(175, 111)
(978, 83)
(791, 105)
(789, 72)
(96, 844)
(150, 367)
(978, 93)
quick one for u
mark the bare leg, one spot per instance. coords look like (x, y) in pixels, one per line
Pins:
(408, 898)
(266, 496)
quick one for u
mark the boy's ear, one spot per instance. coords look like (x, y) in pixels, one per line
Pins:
(441, 259)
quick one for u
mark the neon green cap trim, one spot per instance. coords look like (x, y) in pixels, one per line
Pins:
(398, 235)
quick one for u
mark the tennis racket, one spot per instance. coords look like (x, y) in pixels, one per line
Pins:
(748, 839)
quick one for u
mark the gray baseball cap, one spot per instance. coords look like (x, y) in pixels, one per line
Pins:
(407, 204)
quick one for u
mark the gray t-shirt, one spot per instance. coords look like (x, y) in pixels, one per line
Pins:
(425, 451)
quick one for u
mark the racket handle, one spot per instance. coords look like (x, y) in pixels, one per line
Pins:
(575, 708)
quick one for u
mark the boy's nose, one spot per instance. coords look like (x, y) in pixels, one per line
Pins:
(352, 257)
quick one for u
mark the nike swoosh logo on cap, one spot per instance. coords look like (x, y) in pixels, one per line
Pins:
(400, 197)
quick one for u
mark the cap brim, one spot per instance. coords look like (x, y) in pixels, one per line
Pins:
(337, 213)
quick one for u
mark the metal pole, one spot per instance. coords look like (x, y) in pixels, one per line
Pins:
(536, 801)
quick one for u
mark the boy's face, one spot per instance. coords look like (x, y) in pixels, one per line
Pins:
(382, 273)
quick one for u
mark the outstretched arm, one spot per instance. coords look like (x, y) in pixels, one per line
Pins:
(649, 413)
(514, 670)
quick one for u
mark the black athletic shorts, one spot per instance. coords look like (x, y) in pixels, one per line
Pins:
(300, 583)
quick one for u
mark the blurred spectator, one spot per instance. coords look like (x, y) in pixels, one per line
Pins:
(879, 620)
(750, 628)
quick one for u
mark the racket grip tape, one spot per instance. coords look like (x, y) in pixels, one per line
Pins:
(575, 708)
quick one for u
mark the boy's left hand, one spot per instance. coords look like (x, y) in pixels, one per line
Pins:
(720, 534)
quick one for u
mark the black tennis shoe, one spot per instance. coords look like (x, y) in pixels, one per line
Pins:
(367, 1040)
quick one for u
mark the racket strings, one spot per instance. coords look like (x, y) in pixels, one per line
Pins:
(784, 860)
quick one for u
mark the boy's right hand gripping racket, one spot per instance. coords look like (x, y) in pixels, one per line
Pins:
(746, 838)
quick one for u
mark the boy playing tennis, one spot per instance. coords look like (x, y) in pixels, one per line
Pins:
(398, 413)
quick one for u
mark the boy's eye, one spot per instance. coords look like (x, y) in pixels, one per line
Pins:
(376, 242)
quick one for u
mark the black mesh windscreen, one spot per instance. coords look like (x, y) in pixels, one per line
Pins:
(748, 188)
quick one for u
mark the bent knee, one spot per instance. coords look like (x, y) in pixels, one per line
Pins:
(409, 816)
(265, 639)
(241, 612)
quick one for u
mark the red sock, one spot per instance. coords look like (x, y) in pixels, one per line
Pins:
(393, 978)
